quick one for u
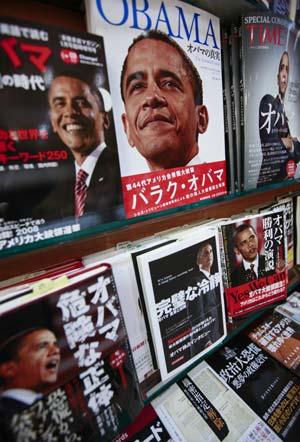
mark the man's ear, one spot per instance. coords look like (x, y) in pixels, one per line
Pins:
(127, 129)
(202, 114)
(8, 370)
(106, 120)
(236, 250)
(52, 122)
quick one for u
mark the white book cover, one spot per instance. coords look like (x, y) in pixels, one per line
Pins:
(202, 408)
(125, 280)
(168, 112)
(183, 293)
(291, 308)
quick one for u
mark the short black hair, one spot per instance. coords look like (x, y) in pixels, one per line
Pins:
(240, 229)
(10, 348)
(88, 81)
(192, 72)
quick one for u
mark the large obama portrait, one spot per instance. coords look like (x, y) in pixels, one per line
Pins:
(164, 63)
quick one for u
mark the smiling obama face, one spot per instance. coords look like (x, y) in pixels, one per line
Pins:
(76, 115)
(161, 118)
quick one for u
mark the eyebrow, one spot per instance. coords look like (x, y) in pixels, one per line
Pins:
(135, 76)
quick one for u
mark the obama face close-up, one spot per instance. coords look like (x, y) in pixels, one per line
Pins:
(161, 118)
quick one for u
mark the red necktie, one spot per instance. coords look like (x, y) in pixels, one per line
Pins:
(252, 272)
(80, 192)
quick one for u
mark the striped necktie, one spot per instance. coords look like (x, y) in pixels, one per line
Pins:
(252, 272)
(80, 192)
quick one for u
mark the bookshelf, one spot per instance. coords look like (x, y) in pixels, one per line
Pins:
(47, 253)
(30, 260)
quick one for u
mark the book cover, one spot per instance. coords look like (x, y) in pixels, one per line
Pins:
(254, 262)
(268, 387)
(291, 308)
(201, 407)
(58, 157)
(146, 428)
(281, 7)
(287, 204)
(66, 352)
(183, 294)
(230, 157)
(280, 337)
(171, 148)
(130, 299)
(271, 77)
(297, 229)
(235, 100)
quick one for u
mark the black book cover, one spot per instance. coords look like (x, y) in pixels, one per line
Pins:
(270, 389)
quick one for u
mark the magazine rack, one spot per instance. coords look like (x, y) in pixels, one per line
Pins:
(41, 255)
(20, 260)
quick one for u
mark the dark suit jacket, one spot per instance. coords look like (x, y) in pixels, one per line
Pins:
(104, 201)
(240, 276)
(274, 125)
(10, 406)
(207, 304)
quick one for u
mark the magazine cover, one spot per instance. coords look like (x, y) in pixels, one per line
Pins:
(280, 337)
(146, 428)
(58, 158)
(169, 109)
(254, 262)
(291, 308)
(281, 6)
(184, 298)
(229, 142)
(69, 347)
(201, 407)
(235, 101)
(269, 388)
(271, 75)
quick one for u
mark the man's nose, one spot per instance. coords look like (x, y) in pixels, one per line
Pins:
(53, 349)
(154, 97)
(71, 108)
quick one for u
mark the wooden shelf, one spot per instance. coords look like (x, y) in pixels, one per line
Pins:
(42, 256)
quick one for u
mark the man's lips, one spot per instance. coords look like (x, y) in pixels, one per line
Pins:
(53, 364)
(155, 119)
(253, 251)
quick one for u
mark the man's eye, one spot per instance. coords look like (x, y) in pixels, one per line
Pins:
(81, 102)
(170, 84)
(58, 104)
(135, 87)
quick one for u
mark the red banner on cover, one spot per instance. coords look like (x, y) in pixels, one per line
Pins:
(256, 294)
(161, 190)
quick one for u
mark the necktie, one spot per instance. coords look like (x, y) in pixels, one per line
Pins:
(252, 272)
(80, 192)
